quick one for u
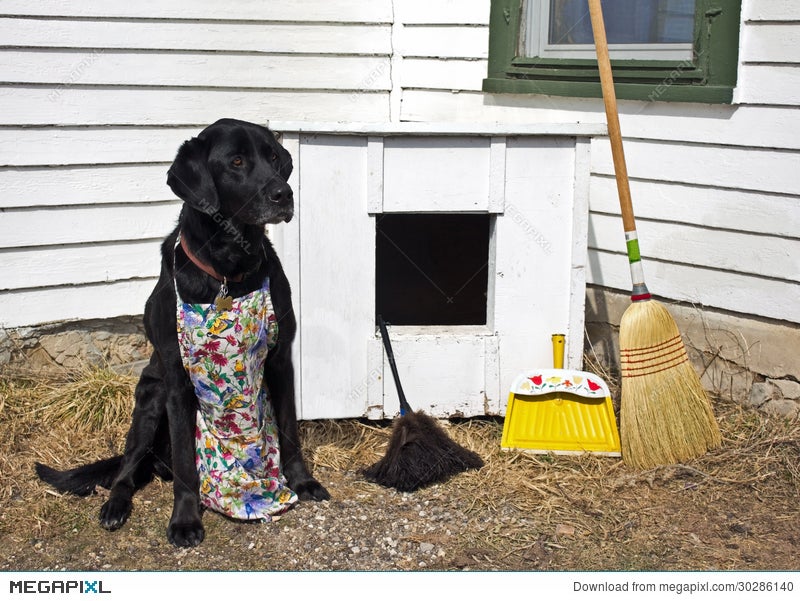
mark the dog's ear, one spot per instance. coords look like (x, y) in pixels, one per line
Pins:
(190, 178)
(285, 163)
(284, 158)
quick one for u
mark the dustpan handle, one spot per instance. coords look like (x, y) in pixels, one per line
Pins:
(387, 345)
(558, 350)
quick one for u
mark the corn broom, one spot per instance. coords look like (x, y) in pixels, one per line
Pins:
(665, 414)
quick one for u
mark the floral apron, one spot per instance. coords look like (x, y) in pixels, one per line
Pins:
(237, 453)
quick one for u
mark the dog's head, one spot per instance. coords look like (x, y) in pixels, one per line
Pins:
(237, 170)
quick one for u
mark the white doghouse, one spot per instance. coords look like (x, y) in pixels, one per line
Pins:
(470, 241)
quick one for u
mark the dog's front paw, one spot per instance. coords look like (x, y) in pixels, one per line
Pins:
(311, 490)
(186, 535)
(114, 513)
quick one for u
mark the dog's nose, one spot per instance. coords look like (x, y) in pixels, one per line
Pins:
(281, 194)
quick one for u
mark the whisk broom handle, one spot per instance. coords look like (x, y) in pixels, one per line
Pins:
(387, 346)
(640, 291)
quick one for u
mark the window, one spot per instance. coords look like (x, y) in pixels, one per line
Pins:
(678, 50)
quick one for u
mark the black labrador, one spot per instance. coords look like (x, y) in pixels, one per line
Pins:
(233, 180)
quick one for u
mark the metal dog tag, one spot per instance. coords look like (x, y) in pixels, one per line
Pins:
(223, 301)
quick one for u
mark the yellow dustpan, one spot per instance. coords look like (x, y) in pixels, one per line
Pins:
(560, 411)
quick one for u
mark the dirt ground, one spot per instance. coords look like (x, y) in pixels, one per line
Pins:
(735, 508)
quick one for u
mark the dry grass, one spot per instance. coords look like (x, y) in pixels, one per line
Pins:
(522, 510)
(92, 400)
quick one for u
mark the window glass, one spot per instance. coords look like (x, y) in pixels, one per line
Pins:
(636, 29)
(627, 22)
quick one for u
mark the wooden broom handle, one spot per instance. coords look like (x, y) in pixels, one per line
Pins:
(612, 116)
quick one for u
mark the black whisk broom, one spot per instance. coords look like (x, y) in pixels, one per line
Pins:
(419, 453)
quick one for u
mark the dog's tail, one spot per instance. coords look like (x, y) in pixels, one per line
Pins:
(82, 480)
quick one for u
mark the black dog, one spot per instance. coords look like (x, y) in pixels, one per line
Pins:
(233, 180)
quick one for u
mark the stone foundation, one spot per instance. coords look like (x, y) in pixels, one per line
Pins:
(751, 361)
(116, 343)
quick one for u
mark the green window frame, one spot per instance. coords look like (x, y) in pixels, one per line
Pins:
(708, 77)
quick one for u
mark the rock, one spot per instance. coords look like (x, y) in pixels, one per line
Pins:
(760, 393)
(133, 368)
(426, 548)
(782, 408)
(789, 389)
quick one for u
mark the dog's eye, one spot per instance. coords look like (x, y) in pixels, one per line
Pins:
(274, 157)
(237, 162)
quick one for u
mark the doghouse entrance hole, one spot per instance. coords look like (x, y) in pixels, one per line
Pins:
(432, 268)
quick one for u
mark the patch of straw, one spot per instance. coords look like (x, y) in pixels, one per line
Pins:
(91, 399)
(515, 503)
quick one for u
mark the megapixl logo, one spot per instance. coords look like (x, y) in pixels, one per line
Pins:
(59, 587)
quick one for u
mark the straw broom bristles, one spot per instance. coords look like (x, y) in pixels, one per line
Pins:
(665, 414)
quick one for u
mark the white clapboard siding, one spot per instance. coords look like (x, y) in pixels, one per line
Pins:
(83, 185)
(769, 84)
(765, 255)
(734, 210)
(325, 11)
(65, 105)
(771, 43)
(443, 42)
(743, 126)
(762, 170)
(86, 224)
(771, 10)
(106, 91)
(84, 264)
(62, 146)
(455, 12)
(283, 38)
(70, 303)
(463, 106)
(442, 74)
(776, 299)
(81, 68)
(750, 126)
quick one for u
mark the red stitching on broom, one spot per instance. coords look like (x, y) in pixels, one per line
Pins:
(653, 357)
(656, 347)
(650, 373)
(672, 363)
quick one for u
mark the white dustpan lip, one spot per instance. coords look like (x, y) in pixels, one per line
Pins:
(545, 381)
